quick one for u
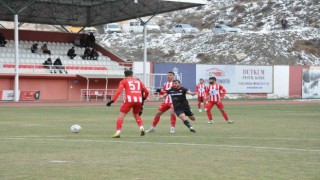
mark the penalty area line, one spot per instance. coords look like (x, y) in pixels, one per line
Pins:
(163, 143)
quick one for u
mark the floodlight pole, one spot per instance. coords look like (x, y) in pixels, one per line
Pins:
(16, 47)
(145, 54)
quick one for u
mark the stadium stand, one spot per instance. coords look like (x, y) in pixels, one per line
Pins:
(33, 62)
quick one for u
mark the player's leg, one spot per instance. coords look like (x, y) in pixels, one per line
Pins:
(204, 103)
(199, 104)
(209, 106)
(183, 117)
(190, 114)
(125, 108)
(162, 109)
(224, 114)
(173, 120)
(135, 111)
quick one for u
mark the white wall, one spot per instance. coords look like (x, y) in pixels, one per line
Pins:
(280, 82)
(137, 67)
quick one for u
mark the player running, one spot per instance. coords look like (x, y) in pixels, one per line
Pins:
(165, 105)
(181, 104)
(201, 92)
(133, 88)
(216, 93)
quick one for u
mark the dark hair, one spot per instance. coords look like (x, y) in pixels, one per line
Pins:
(201, 79)
(128, 73)
(214, 78)
(176, 81)
(170, 72)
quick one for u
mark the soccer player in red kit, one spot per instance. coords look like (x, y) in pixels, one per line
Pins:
(165, 105)
(201, 92)
(133, 93)
(215, 93)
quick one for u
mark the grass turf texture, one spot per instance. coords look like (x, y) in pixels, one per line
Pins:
(265, 142)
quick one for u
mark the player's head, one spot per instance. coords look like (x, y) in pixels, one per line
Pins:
(176, 84)
(212, 80)
(128, 73)
(201, 81)
(170, 76)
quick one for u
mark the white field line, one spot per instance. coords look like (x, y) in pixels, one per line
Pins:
(162, 143)
(175, 136)
(59, 161)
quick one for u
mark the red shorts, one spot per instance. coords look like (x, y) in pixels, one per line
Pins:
(126, 106)
(210, 104)
(201, 99)
(165, 106)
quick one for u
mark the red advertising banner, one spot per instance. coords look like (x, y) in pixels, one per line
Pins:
(29, 95)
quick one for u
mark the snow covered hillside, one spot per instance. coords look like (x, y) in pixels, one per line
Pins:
(261, 40)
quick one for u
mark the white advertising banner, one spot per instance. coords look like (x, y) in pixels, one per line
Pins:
(239, 79)
(310, 83)
(7, 95)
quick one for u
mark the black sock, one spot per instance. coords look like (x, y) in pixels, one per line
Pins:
(187, 123)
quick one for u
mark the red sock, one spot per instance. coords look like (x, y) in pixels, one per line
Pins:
(119, 124)
(173, 120)
(199, 105)
(155, 121)
(225, 115)
(138, 119)
(209, 114)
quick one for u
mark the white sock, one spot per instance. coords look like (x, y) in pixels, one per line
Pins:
(118, 132)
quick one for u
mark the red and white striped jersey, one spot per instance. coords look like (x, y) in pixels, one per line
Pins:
(216, 92)
(164, 89)
(201, 90)
(133, 90)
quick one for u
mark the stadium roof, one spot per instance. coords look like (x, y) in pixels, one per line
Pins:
(85, 13)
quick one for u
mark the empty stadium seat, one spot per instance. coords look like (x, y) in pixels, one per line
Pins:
(32, 62)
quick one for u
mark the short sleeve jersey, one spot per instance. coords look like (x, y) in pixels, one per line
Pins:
(178, 97)
(201, 90)
(133, 88)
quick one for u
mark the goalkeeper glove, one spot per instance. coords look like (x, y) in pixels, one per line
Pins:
(109, 103)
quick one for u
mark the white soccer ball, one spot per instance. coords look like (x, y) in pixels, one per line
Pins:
(75, 128)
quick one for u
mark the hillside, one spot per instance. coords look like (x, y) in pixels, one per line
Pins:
(261, 41)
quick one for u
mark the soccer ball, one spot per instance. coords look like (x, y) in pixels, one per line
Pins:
(75, 128)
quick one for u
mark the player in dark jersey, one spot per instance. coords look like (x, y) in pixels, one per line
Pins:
(180, 103)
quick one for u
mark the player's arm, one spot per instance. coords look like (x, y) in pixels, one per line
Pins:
(196, 89)
(145, 91)
(222, 91)
(166, 93)
(190, 92)
(163, 96)
(206, 92)
(163, 90)
(117, 93)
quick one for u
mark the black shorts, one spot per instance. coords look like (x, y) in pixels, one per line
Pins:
(186, 111)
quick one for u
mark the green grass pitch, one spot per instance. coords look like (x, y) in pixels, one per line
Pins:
(265, 142)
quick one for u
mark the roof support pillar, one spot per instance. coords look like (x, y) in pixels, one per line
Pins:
(16, 44)
(88, 91)
(16, 47)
